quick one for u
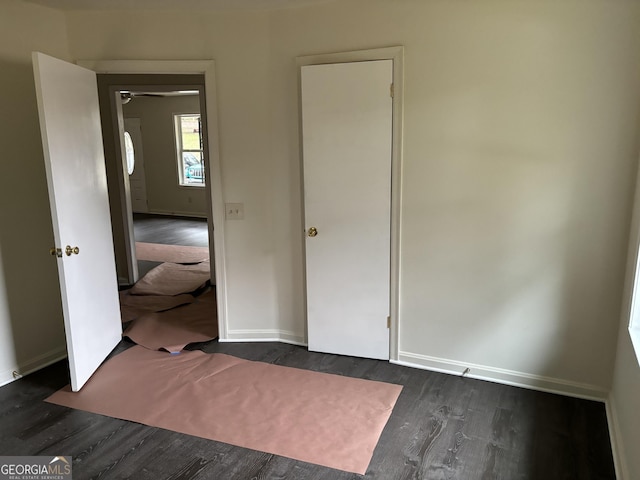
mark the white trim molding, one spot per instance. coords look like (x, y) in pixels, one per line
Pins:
(174, 213)
(266, 335)
(634, 333)
(619, 458)
(214, 185)
(33, 365)
(503, 376)
(159, 67)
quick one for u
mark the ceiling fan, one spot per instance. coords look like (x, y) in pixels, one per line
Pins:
(126, 96)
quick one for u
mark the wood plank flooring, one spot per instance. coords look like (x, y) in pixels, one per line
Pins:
(169, 230)
(443, 427)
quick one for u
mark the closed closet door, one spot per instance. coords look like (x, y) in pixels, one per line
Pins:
(347, 140)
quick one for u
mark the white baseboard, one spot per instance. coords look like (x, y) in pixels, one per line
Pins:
(176, 214)
(619, 458)
(506, 377)
(267, 335)
(30, 366)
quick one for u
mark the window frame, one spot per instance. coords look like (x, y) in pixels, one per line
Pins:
(129, 147)
(180, 150)
(634, 308)
(631, 299)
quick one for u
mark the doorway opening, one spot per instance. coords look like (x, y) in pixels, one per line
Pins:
(162, 238)
(159, 192)
(165, 165)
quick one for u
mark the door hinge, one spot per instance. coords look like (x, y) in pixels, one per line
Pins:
(391, 90)
(389, 321)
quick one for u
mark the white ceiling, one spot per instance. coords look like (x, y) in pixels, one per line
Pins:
(174, 4)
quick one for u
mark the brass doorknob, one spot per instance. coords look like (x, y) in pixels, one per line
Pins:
(312, 232)
(69, 250)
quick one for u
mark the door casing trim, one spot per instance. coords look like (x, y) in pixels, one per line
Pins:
(214, 186)
(396, 54)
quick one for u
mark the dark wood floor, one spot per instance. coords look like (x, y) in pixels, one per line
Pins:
(443, 427)
(169, 230)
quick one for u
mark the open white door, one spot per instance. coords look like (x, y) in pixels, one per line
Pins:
(347, 138)
(74, 160)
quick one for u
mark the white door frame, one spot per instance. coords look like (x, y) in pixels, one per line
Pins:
(214, 184)
(125, 191)
(397, 55)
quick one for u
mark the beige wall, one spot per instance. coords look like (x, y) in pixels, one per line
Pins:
(164, 195)
(520, 141)
(625, 394)
(31, 327)
(624, 401)
(237, 42)
(519, 146)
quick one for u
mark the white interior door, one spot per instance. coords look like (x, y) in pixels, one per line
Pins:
(347, 138)
(74, 160)
(135, 160)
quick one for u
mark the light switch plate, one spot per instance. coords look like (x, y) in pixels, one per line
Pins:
(234, 211)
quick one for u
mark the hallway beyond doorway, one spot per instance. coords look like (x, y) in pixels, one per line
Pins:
(168, 230)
